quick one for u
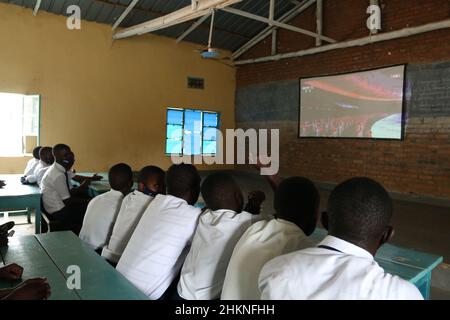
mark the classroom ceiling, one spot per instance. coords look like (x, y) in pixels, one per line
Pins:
(231, 31)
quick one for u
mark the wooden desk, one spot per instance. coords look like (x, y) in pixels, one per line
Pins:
(16, 196)
(49, 255)
(414, 266)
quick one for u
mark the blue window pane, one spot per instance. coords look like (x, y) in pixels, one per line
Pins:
(174, 132)
(173, 146)
(210, 119)
(210, 134)
(193, 121)
(175, 116)
(192, 144)
(209, 147)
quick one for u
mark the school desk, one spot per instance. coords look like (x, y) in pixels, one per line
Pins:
(414, 266)
(16, 196)
(50, 255)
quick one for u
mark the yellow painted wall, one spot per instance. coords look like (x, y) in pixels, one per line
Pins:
(105, 99)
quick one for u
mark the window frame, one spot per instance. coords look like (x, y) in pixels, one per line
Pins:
(182, 128)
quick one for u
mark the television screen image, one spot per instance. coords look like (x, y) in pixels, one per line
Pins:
(367, 104)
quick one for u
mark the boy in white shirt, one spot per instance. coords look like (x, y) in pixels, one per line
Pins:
(157, 249)
(150, 183)
(296, 204)
(61, 201)
(31, 164)
(102, 210)
(342, 266)
(220, 227)
(46, 160)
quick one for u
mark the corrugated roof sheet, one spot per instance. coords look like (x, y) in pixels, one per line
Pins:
(230, 32)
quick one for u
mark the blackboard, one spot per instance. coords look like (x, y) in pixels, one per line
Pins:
(427, 94)
(427, 90)
(272, 101)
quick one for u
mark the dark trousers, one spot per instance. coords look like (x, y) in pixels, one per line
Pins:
(72, 215)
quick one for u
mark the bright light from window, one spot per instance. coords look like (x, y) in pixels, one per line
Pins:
(19, 123)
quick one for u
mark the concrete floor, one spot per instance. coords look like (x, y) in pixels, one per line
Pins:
(418, 226)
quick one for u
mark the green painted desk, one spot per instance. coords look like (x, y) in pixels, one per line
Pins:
(16, 196)
(49, 255)
(414, 266)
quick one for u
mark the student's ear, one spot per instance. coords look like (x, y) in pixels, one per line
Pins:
(387, 235)
(141, 186)
(324, 219)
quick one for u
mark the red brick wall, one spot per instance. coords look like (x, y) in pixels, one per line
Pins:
(421, 163)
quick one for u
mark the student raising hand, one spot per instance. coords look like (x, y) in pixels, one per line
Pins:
(255, 199)
(31, 289)
(11, 272)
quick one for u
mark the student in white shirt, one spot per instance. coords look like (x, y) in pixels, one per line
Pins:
(62, 201)
(218, 231)
(156, 251)
(296, 203)
(150, 183)
(102, 211)
(31, 164)
(46, 160)
(342, 266)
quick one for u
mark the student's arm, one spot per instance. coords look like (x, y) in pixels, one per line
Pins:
(274, 180)
(81, 179)
(4, 293)
(31, 289)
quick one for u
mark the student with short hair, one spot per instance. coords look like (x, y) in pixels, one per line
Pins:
(220, 227)
(46, 160)
(150, 183)
(157, 249)
(61, 200)
(31, 164)
(102, 211)
(296, 204)
(342, 266)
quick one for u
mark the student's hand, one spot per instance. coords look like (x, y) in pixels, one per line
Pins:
(2, 183)
(11, 272)
(255, 199)
(84, 184)
(274, 179)
(31, 289)
(96, 177)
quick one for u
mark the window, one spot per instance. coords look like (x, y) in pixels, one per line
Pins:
(19, 124)
(191, 132)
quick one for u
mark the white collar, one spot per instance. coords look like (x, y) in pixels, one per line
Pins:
(115, 193)
(59, 167)
(345, 247)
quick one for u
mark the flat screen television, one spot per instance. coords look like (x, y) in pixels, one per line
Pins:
(366, 104)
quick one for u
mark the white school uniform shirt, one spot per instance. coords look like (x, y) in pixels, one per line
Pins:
(31, 178)
(262, 242)
(99, 219)
(131, 211)
(39, 172)
(31, 165)
(54, 187)
(204, 270)
(157, 249)
(325, 274)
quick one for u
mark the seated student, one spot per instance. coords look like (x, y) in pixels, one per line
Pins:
(32, 163)
(150, 183)
(342, 266)
(296, 204)
(61, 200)
(220, 227)
(46, 160)
(157, 249)
(102, 211)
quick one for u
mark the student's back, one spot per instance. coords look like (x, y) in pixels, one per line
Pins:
(102, 210)
(296, 200)
(156, 251)
(32, 163)
(150, 183)
(342, 266)
(218, 230)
